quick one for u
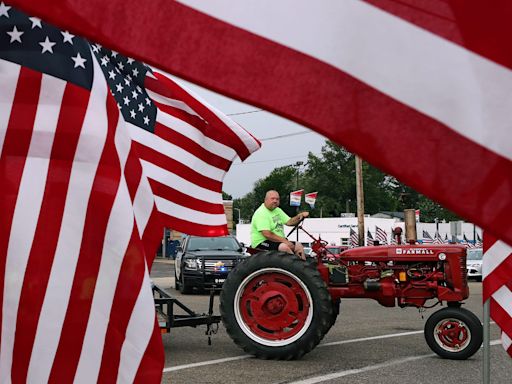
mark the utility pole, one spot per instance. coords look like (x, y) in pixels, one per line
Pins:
(360, 199)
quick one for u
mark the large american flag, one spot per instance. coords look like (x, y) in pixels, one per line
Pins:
(78, 213)
(497, 285)
(434, 73)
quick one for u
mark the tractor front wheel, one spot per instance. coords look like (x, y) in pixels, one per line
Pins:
(454, 333)
(276, 306)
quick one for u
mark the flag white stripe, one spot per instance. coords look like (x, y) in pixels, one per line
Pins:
(494, 256)
(174, 181)
(503, 297)
(170, 102)
(26, 213)
(143, 204)
(117, 238)
(138, 333)
(180, 212)
(85, 163)
(170, 150)
(195, 135)
(250, 143)
(9, 73)
(391, 55)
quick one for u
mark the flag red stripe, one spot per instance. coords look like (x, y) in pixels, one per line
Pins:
(184, 200)
(127, 291)
(150, 370)
(191, 146)
(198, 229)
(73, 108)
(178, 168)
(133, 171)
(97, 217)
(216, 128)
(501, 317)
(13, 156)
(484, 30)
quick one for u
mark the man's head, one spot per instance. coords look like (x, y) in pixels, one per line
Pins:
(271, 200)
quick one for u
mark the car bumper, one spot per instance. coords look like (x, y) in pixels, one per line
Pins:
(206, 280)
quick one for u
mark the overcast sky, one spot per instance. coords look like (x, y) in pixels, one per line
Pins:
(267, 127)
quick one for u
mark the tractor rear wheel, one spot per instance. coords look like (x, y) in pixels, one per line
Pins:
(454, 333)
(276, 306)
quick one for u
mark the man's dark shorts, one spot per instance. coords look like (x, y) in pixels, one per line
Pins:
(268, 245)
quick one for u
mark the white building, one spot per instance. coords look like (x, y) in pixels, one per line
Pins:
(336, 230)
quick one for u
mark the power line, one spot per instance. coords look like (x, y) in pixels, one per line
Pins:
(245, 113)
(286, 135)
(267, 161)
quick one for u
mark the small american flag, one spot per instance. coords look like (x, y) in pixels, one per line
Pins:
(354, 238)
(78, 214)
(381, 235)
(437, 238)
(369, 238)
(427, 239)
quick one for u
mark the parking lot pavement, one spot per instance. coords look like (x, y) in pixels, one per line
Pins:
(367, 344)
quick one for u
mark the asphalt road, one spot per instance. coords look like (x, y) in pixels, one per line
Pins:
(368, 344)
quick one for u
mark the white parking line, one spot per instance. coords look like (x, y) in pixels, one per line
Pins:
(241, 357)
(389, 363)
(335, 375)
(208, 362)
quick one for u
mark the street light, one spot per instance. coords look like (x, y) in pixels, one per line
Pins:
(239, 220)
(298, 164)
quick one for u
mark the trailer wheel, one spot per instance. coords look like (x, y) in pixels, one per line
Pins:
(276, 306)
(454, 333)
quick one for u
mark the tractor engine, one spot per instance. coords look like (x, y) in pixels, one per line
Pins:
(403, 275)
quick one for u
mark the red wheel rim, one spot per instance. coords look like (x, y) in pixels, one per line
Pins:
(274, 306)
(452, 335)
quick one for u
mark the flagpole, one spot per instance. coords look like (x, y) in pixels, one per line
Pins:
(486, 370)
(360, 200)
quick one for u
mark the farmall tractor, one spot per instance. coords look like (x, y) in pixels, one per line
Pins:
(276, 306)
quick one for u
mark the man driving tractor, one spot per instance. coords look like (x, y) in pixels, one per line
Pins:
(267, 231)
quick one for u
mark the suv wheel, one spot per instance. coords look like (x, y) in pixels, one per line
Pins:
(184, 288)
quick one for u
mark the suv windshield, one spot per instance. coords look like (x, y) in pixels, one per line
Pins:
(474, 254)
(215, 243)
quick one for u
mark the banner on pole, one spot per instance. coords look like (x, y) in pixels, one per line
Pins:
(296, 197)
(310, 199)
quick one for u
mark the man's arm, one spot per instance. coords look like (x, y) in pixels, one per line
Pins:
(297, 218)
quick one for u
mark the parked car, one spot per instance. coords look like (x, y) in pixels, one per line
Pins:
(474, 263)
(205, 262)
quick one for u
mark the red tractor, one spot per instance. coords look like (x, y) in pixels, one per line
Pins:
(276, 306)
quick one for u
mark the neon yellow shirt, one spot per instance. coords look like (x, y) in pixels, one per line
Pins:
(265, 219)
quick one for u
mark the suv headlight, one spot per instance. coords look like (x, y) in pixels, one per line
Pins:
(193, 264)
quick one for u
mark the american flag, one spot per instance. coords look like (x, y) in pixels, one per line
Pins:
(78, 214)
(478, 243)
(437, 238)
(354, 238)
(497, 285)
(427, 239)
(466, 242)
(444, 43)
(369, 238)
(380, 235)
